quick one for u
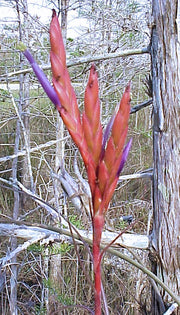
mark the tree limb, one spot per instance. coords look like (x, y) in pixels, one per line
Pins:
(136, 108)
(37, 148)
(82, 60)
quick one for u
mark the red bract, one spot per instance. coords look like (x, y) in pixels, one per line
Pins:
(103, 156)
(69, 110)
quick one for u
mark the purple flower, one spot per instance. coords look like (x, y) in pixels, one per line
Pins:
(107, 134)
(124, 156)
(48, 88)
(108, 130)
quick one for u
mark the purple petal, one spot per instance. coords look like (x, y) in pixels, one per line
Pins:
(107, 134)
(48, 88)
(108, 131)
(124, 156)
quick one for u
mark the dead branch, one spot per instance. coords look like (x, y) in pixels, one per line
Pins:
(140, 106)
(39, 232)
(37, 148)
(80, 61)
(89, 241)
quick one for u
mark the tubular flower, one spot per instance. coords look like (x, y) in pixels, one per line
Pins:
(48, 88)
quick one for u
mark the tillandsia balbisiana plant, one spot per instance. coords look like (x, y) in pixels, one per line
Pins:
(103, 153)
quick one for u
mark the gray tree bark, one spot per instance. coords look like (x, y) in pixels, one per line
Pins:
(166, 134)
(22, 125)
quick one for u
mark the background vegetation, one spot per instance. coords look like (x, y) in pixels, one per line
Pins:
(49, 277)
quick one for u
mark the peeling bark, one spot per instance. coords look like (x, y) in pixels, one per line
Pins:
(166, 135)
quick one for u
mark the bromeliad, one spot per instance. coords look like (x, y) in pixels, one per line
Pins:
(104, 155)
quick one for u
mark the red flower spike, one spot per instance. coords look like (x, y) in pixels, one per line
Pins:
(56, 38)
(91, 171)
(87, 127)
(69, 110)
(103, 156)
(121, 142)
(124, 106)
(91, 117)
(97, 141)
(91, 94)
(124, 156)
(57, 67)
(63, 97)
(120, 122)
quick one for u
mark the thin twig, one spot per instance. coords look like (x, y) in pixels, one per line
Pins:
(79, 259)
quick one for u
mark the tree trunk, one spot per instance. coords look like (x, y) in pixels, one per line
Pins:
(166, 135)
(27, 176)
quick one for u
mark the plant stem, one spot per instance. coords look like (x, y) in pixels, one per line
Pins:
(97, 278)
(98, 223)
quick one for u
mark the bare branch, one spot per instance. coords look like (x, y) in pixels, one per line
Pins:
(19, 249)
(84, 183)
(171, 309)
(110, 250)
(137, 176)
(140, 106)
(37, 148)
(87, 59)
(70, 187)
(42, 232)
(19, 187)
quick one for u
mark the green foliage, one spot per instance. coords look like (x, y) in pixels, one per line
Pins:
(40, 310)
(134, 6)
(62, 248)
(53, 249)
(70, 40)
(77, 53)
(3, 95)
(36, 248)
(62, 298)
(76, 221)
(120, 225)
